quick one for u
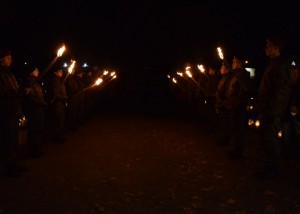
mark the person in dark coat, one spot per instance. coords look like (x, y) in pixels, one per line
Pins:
(57, 104)
(210, 86)
(72, 90)
(223, 106)
(238, 96)
(10, 112)
(291, 123)
(273, 98)
(34, 106)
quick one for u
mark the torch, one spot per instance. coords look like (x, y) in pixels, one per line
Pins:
(220, 53)
(201, 69)
(59, 54)
(70, 70)
(97, 82)
(191, 76)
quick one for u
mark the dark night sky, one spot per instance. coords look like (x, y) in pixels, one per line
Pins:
(148, 33)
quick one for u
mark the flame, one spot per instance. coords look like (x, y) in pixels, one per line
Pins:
(220, 53)
(168, 76)
(114, 77)
(257, 123)
(189, 73)
(61, 51)
(201, 68)
(174, 80)
(112, 73)
(179, 73)
(71, 67)
(98, 81)
(105, 72)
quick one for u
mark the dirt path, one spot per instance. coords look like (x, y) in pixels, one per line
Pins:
(136, 163)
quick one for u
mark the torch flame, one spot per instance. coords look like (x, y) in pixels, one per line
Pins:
(98, 81)
(105, 72)
(114, 77)
(201, 68)
(61, 51)
(174, 80)
(220, 53)
(71, 67)
(112, 73)
(179, 73)
(189, 73)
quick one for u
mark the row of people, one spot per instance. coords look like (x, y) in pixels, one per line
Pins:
(60, 102)
(223, 106)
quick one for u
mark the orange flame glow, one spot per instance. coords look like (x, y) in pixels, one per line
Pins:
(61, 51)
(220, 53)
(71, 67)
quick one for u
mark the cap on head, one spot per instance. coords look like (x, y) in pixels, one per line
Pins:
(29, 68)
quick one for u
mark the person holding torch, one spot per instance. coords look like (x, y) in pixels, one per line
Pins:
(10, 112)
(57, 104)
(273, 98)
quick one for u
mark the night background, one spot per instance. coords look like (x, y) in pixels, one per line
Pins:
(142, 146)
(145, 38)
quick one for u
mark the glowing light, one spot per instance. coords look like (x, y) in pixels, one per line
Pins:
(71, 67)
(280, 134)
(61, 51)
(293, 63)
(201, 68)
(257, 123)
(220, 53)
(189, 73)
(98, 81)
(179, 73)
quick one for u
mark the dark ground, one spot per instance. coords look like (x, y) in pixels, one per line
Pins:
(155, 160)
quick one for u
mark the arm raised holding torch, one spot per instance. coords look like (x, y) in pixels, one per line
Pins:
(220, 53)
(70, 70)
(59, 54)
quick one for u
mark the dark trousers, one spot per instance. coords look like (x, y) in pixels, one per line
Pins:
(239, 124)
(9, 138)
(224, 128)
(35, 116)
(58, 118)
(271, 141)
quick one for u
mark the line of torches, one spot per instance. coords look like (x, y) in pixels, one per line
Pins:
(255, 123)
(98, 81)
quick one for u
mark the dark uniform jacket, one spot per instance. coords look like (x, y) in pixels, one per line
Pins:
(35, 96)
(10, 103)
(222, 94)
(239, 89)
(274, 91)
(57, 91)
